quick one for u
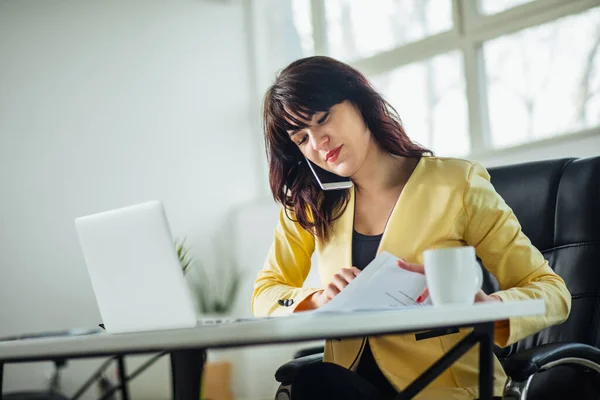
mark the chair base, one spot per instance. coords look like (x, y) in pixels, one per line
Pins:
(284, 392)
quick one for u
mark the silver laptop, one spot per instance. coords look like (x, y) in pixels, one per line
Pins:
(134, 269)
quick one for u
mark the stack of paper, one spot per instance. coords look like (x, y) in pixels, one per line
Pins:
(382, 285)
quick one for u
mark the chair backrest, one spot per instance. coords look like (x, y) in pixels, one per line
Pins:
(557, 203)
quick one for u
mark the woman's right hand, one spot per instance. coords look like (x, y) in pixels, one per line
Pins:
(339, 281)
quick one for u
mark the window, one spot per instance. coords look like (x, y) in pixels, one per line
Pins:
(358, 29)
(469, 79)
(495, 6)
(302, 22)
(544, 80)
(430, 98)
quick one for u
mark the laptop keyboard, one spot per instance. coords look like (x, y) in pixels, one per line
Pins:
(50, 334)
(228, 320)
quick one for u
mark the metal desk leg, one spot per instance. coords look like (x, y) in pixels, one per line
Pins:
(486, 360)
(123, 378)
(482, 334)
(439, 367)
(186, 372)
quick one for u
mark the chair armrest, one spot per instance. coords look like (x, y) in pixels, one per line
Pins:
(524, 364)
(286, 373)
(309, 351)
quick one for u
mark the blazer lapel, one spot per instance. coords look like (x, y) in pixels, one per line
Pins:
(337, 253)
(399, 237)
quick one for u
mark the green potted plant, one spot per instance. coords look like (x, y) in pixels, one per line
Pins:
(215, 290)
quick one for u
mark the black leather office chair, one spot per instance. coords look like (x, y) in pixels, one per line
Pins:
(558, 205)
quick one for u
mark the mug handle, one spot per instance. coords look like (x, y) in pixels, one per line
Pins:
(478, 277)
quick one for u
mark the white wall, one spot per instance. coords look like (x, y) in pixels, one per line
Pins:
(578, 146)
(105, 104)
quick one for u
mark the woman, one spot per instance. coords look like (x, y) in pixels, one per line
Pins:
(404, 201)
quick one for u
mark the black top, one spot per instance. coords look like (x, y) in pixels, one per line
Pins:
(364, 250)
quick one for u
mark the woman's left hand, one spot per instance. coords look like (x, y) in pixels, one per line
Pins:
(420, 269)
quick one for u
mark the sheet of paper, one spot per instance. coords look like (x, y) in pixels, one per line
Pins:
(381, 285)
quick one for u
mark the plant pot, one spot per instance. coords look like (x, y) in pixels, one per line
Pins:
(216, 381)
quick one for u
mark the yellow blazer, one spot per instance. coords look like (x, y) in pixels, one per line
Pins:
(446, 202)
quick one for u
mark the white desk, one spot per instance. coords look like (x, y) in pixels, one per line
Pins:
(299, 327)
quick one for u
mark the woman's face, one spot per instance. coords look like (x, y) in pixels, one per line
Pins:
(337, 140)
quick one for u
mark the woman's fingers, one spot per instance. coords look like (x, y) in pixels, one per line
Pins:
(424, 295)
(344, 277)
(340, 281)
(348, 274)
(418, 268)
(331, 291)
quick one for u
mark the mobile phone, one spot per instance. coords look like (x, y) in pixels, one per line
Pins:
(328, 180)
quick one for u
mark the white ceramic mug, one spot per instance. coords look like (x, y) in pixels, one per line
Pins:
(452, 274)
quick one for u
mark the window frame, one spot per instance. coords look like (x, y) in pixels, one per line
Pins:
(470, 30)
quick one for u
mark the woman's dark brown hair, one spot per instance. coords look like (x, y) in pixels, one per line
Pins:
(305, 87)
